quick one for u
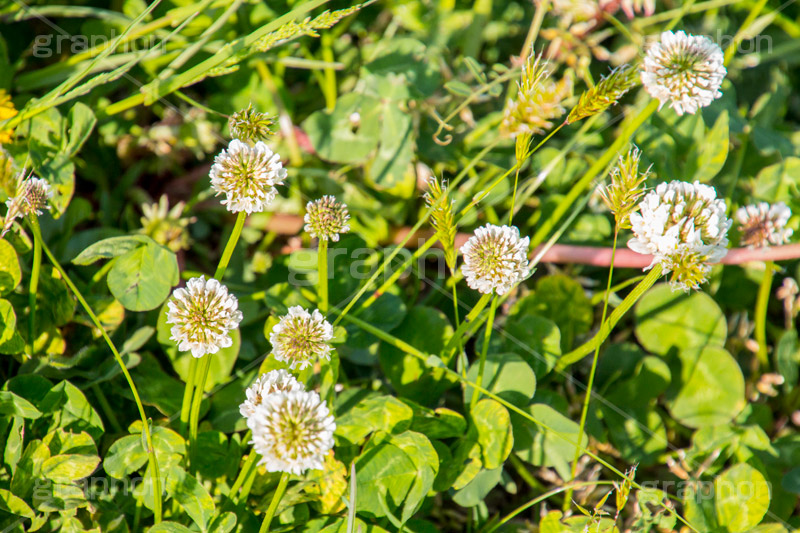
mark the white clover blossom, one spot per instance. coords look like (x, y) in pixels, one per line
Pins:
(301, 337)
(763, 224)
(203, 314)
(683, 225)
(326, 218)
(273, 382)
(31, 196)
(685, 70)
(292, 431)
(495, 259)
(247, 175)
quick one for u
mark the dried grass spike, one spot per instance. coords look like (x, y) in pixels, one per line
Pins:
(444, 221)
(605, 94)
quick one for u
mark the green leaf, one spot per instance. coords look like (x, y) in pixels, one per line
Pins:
(142, 278)
(70, 410)
(422, 453)
(14, 505)
(375, 413)
(710, 390)
(337, 137)
(495, 435)
(80, 123)
(29, 467)
(506, 374)
(9, 338)
(459, 88)
(10, 273)
(111, 247)
(635, 428)
(478, 488)
(667, 320)
(741, 497)
(192, 496)
(547, 447)
(125, 456)
(778, 182)
(384, 474)
(214, 456)
(69, 467)
(11, 404)
(439, 423)
(428, 330)
(561, 299)
(714, 150)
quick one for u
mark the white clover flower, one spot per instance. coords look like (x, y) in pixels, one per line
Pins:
(683, 225)
(685, 70)
(292, 431)
(273, 382)
(495, 258)
(301, 337)
(326, 218)
(32, 195)
(247, 175)
(764, 224)
(203, 314)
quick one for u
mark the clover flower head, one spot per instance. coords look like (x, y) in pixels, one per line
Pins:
(292, 431)
(250, 125)
(32, 195)
(326, 218)
(495, 259)
(685, 70)
(247, 176)
(165, 225)
(301, 337)
(202, 315)
(763, 224)
(273, 382)
(683, 225)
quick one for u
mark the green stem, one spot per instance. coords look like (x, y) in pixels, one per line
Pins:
(466, 326)
(577, 189)
(273, 506)
(188, 392)
(435, 362)
(231, 246)
(199, 392)
(605, 328)
(514, 195)
(762, 301)
(322, 275)
(96, 321)
(34, 287)
(205, 363)
(487, 336)
(590, 385)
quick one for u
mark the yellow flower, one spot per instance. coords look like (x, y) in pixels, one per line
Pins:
(7, 110)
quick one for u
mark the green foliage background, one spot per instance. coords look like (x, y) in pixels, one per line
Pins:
(367, 110)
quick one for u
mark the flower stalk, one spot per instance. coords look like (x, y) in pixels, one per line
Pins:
(605, 329)
(762, 301)
(201, 369)
(151, 451)
(273, 505)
